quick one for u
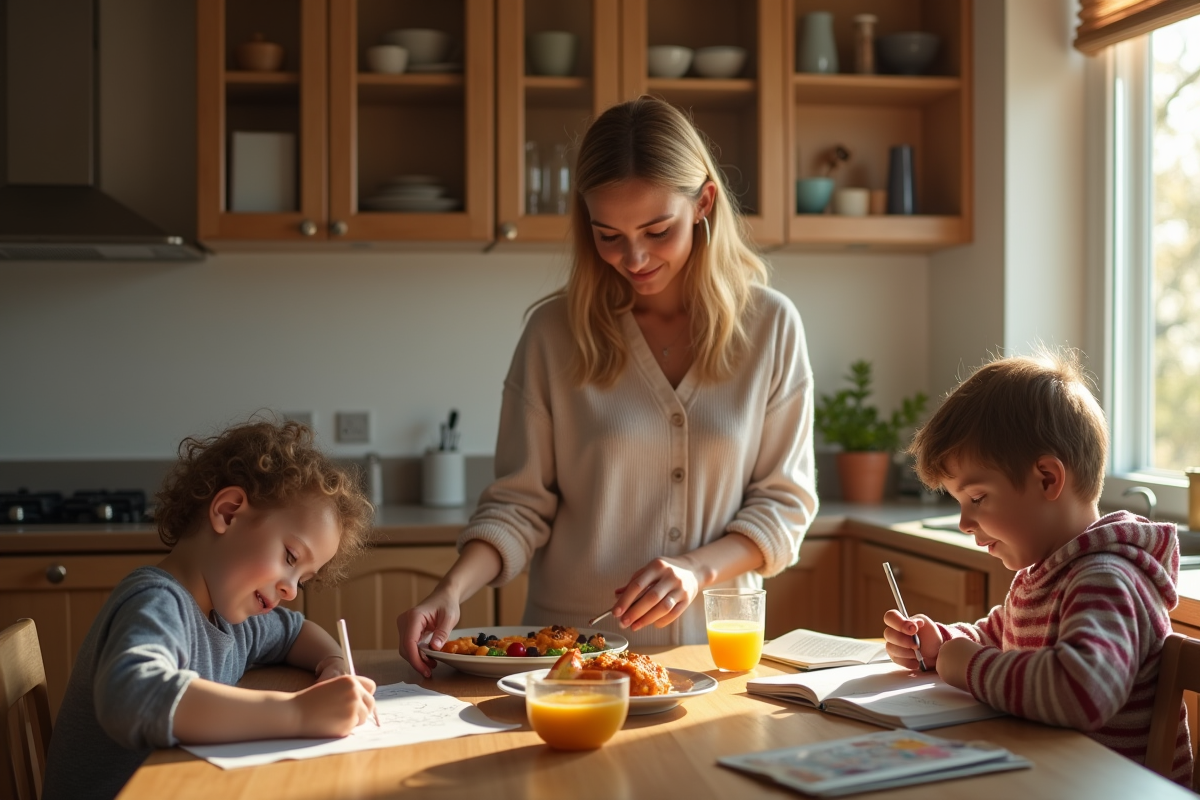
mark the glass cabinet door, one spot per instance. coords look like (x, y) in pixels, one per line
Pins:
(261, 110)
(739, 107)
(410, 150)
(556, 69)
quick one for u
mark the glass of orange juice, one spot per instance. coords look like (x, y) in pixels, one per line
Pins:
(736, 619)
(578, 714)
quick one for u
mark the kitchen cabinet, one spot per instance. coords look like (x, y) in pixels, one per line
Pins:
(354, 130)
(942, 591)
(385, 582)
(62, 594)
(808, 594)
(868, 114)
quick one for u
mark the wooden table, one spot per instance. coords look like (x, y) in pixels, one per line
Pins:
(662, 756)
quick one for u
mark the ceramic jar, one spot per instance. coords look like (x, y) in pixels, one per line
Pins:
(816, 50)
(258, 55)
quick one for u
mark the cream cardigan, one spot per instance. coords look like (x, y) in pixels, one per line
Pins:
(593, 484)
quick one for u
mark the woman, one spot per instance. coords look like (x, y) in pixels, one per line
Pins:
(656, 427)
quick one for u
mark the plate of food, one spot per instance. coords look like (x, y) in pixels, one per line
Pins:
(490, 652)
(653, 688)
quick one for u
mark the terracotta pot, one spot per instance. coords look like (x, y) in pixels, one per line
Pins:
(257, 55)
(863, 476)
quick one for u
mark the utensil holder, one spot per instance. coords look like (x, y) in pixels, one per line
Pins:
(443, 479)
(902, 191)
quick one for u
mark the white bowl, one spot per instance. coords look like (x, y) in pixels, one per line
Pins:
(668, 60)
(724, 61)
(388, 59)
(424, 45)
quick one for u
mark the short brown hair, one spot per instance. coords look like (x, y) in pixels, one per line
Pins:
(1011, 412)
(274, 464)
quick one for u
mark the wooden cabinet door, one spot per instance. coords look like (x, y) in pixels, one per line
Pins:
(437, 124)
(807, 594)
(942, 592)
(382, 584)
(549, 111)
(62, 611)
(742, 115)
(291, 100)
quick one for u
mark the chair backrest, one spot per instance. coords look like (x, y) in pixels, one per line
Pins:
(1179, 671)
(25, 735)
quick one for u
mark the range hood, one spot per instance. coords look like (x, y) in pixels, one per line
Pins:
(50, 208)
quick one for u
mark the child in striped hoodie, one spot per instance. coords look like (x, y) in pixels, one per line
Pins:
(1022, 445)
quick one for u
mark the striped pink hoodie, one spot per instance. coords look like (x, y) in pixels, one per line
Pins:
(1078, 640)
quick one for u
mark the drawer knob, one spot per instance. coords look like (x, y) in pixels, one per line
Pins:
(508, 231)
(308, 227)
(56, 573)
(338, 228)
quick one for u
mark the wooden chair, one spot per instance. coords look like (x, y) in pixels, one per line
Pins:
(25, 735)
(1179, 672)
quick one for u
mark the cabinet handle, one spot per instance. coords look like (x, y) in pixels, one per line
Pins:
(56, 573)
(338, 228)
(508, 231)
(897, 573)
(308, 227)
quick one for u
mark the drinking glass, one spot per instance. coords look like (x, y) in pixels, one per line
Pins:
(736, 619)
(578, 714)
(560, 180)
(533, 179)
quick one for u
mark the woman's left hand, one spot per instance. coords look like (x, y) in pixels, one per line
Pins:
(657, 594)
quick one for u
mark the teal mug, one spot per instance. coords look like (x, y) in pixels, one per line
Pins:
(812, 194)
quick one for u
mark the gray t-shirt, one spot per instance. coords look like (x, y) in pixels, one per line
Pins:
(148, 643)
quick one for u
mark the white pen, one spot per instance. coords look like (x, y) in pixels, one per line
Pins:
(887, 570)
(345, 639)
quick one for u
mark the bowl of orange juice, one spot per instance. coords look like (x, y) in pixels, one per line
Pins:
(578, 714)
(736, 621)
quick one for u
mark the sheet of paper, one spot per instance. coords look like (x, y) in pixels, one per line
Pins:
(408, 714)
(815, 648)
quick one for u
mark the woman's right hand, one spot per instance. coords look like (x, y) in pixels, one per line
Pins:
(899, 637)
(436, 615)
(334, 707)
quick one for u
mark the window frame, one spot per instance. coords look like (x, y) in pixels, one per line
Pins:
(1126, 274)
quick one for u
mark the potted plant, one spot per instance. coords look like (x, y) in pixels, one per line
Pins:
(867, 439)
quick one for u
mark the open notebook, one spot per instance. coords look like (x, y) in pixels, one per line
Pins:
(874, 761)
(811, 650)
(881, 694)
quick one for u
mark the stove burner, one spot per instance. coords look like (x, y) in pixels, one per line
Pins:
(89, 507)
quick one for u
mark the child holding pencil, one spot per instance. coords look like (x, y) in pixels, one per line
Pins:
(1022, 446)
(252, 515)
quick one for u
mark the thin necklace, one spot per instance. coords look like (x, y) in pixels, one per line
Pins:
(666, 351)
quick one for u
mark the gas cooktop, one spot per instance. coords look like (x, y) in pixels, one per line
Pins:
(91, 507)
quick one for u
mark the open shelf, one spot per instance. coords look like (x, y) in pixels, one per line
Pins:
(881, 90)
(892, 231)
(714, 93)
(543, 91)
(426, 89)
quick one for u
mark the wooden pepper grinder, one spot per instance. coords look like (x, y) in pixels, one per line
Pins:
(864, 43)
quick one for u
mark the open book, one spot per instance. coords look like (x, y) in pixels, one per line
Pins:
(881, 694)
(811, 650)
(874, 761)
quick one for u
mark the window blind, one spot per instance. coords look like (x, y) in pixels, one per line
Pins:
(1106, 22)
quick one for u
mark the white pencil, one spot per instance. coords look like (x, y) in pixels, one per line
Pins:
(887, 570)
(345, 640)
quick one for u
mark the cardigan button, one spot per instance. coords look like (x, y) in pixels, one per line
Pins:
(677, 475)
(677, 420)
(675, 534)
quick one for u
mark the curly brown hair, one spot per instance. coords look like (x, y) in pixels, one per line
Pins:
(274, 464)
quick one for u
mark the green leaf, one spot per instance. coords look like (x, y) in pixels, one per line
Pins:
(847, 419)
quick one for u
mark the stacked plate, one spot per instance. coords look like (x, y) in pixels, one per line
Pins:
(412, 193)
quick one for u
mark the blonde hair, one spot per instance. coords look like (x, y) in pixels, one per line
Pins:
(651, 140)
(1011, 412)
(275, 465)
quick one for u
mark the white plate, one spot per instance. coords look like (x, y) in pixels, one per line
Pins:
(400, 202)
(685, 682)
(444, 66)
(498, 666)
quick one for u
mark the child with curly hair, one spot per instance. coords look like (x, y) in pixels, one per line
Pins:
(252, 515)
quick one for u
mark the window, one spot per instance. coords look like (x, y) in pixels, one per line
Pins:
(1153, 390)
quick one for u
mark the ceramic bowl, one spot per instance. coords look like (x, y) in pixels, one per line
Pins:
(812, 195)
(910, 53)
(668, 60)
(257, 55)
(552, 52)
(424, 45)
(387, 59)
(724, 61)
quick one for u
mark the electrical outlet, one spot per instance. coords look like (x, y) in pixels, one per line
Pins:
(305, 418)
(354, 427)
